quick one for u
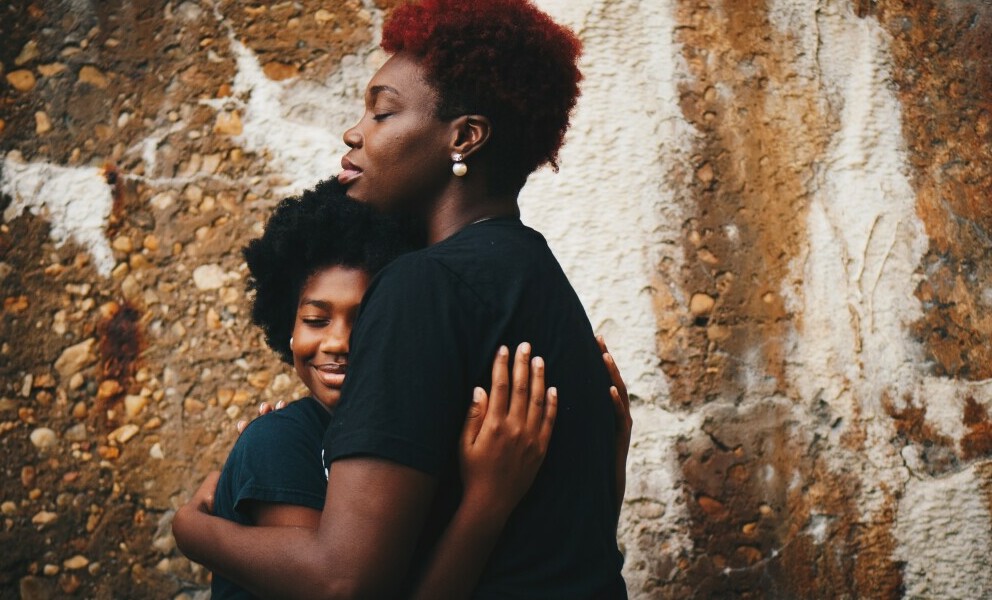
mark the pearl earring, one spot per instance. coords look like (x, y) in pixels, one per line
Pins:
(290, 342)
(459, 168)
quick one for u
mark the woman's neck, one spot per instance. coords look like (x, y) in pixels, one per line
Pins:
(455, 211)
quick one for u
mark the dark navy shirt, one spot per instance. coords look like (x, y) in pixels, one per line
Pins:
(276, 459)
(426, 334)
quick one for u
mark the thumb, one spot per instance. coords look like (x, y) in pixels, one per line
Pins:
(474, 417)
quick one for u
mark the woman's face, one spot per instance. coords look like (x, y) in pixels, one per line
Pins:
(326, 312)
(399, 156)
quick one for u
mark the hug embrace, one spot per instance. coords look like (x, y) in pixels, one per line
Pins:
(391, 304)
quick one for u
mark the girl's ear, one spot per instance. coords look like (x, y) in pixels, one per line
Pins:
(469, 134)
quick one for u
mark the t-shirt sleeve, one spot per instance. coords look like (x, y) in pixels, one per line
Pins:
(407, 388)
(278, 461)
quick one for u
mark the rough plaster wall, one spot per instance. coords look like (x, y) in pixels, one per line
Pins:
(776, 211)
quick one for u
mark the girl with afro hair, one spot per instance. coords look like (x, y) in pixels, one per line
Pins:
(474, 97)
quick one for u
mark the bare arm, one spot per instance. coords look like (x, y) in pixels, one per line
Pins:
(367, 533)
(270, 514)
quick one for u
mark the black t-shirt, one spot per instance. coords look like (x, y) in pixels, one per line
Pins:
(427, 332)
(276, 459)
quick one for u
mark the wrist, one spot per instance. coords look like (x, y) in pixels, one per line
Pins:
(485, 508)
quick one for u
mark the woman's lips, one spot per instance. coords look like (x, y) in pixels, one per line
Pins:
(349, 173)
(330, 374)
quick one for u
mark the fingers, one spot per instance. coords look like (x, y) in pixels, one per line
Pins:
(499, 394)
(474, 418)
(204, 495)
(264, 408)
(241, 426)
(550, 412)
(536, 404)
(521, 384)
(615, 378)
(601, 342)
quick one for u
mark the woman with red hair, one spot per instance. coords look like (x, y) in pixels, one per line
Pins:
(475, 97)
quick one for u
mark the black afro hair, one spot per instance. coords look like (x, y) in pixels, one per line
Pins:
(320, 228)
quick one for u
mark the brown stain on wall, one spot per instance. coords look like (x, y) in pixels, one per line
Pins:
(763, 127)
(943, 77)
(771, 520)
(977, 443)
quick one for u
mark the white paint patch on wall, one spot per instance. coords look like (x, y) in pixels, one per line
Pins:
(865, 238)
(865, 241)
(946, 536)
(616, 207)
(76, 202)
(297, 122)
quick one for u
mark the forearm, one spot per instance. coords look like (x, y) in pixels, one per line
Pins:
(246, 555)
(462, 552)
(362, 546)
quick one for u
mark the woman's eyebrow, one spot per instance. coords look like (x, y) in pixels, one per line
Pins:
(375, 90)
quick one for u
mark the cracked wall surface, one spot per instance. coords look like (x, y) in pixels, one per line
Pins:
(777, 212)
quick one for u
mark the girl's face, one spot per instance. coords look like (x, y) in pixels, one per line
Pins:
(326, 312)
(399, 154)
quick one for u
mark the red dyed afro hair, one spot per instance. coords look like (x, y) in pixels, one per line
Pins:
(503, 59)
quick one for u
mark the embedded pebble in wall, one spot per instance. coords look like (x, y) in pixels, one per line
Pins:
(43, 437)
(44, 517)
(74, 358)
(701, 304)
(28, 53)
(123, 433)
(42, 124)
(76, 433)
(22, 80)
(209, 277)
(76, 562)
(134, 404)
(93, 76)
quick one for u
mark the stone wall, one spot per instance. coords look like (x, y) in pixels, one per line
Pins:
(778, 212)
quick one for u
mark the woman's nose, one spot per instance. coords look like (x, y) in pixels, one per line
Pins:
(353, 137)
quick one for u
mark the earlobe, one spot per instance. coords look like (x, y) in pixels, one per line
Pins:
(471, 132)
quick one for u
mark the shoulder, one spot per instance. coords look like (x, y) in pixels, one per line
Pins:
(414, 278)
(300, 420)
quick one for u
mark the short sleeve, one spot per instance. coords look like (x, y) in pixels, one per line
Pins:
(277, 460)
(408, 387)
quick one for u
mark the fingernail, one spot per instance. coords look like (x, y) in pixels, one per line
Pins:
(280, 404)
(537, 362)
(477, 395)
(524, 348)
(503, 351)
(554, 392)
(261, 406)
(242, 424)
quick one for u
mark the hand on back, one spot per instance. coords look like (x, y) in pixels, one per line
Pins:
(507, 432)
